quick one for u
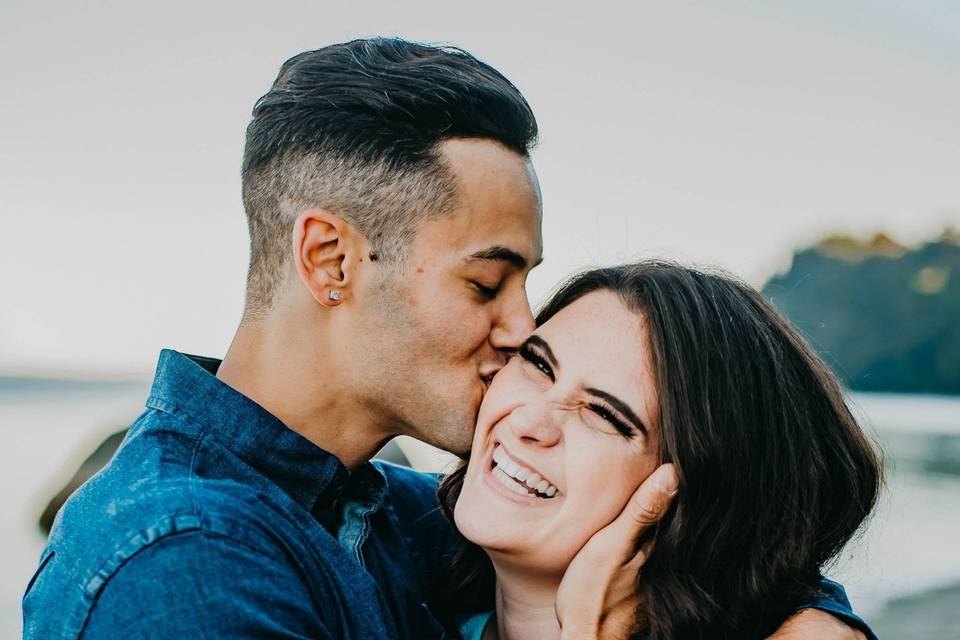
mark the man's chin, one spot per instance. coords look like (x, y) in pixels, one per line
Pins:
(456, 446)
(463, 454)
(455, 437)
(456, 434)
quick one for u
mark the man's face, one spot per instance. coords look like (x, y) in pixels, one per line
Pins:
(447, 316)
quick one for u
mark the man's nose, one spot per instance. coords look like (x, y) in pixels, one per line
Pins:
(535, 424)
(513, 324)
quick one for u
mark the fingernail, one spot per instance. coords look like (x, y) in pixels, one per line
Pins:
(666, 479)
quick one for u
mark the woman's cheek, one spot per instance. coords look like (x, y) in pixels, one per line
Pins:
(607, 475)
(493, 408)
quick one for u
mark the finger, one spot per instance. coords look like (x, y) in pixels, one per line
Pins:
(616, 544)
(639, 558)
(647, 504)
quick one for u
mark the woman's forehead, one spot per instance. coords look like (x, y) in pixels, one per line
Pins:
(603, 343)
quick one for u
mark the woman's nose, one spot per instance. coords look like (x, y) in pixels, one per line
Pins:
(536, 424)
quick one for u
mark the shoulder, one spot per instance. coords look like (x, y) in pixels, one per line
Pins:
(203, 584)
(832, 598)
(106, 523)
(166, 478)
(137, 503)
(192, 548)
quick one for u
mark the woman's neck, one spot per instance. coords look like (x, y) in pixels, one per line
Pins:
(526, 607)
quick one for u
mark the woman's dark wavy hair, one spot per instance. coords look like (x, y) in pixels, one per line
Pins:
(775, 474)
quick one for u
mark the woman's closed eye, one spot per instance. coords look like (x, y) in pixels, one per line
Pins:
(532, 356)
(607, 414)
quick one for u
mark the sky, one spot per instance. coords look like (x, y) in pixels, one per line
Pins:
(720, 133)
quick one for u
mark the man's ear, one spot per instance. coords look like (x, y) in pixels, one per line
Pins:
(324, 248)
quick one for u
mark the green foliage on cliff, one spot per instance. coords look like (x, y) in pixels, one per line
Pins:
(884, 316)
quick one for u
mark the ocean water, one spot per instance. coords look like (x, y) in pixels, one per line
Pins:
(909, 545)
(907, 548)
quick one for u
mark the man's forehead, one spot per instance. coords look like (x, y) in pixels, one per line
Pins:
(497, 208)
(486, 232)
(486, 170)
(468, 236)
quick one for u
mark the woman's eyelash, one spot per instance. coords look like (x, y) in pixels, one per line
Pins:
(610, 417)
(530, 355)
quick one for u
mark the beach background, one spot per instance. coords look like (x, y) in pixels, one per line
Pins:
(810, 146)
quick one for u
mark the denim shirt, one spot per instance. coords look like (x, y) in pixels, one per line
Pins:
(215, 520)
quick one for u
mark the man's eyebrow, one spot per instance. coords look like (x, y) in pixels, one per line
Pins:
(543, 346)
(620, 406)
(503, 254)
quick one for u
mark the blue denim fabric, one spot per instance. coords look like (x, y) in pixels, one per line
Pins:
(833, 599)
(214, 520)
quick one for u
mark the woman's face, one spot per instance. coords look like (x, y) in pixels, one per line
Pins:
(566, 433)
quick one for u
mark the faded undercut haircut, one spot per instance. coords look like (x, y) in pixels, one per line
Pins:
(354, 129)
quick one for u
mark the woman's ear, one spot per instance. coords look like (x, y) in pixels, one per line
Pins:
(324, 245)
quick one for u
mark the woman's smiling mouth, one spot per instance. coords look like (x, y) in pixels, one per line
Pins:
(522, 481)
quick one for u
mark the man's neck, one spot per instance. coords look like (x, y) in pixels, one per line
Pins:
(272, 365)
(526, 606)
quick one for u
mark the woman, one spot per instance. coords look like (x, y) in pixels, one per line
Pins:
(632, 367)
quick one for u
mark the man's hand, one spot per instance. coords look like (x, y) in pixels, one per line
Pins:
(813, 624)
(597, 598)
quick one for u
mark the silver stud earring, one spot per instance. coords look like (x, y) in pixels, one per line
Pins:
(334, 294)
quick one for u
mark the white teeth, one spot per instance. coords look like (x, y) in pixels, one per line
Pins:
(508, 482)
(520, 479)
(504, 478)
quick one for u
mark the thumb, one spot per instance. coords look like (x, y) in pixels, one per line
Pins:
(646, 506)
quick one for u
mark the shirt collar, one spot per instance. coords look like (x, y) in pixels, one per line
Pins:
(315, 478)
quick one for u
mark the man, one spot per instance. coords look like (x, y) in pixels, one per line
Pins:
(394, 216)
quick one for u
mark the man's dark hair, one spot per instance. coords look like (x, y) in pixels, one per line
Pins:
(775, 474)
(354, 128)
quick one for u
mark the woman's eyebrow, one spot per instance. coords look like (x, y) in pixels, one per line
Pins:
(547, 351)
(620, 406)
